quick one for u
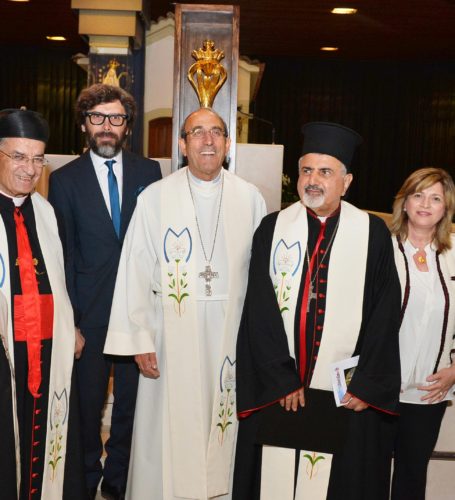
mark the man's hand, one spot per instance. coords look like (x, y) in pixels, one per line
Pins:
(352, 403)
(441, 382)
(79, 343)
(148, 364)
(292, 401)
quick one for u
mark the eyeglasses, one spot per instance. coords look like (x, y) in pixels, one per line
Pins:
(199, 132)
(96, 118)
(20, 159)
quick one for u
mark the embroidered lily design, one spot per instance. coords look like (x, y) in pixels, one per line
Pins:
(177, 252)
(227, 400)
(286, 261)
(58, 415)
(313, 459)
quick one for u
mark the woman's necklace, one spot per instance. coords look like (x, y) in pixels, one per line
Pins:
(420, 256)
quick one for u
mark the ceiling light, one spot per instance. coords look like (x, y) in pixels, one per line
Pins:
(19, 0)
(343, 10)
(57, 38)
(329, 49)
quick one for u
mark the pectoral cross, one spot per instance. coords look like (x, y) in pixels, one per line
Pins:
(208, 275)
(311, 295)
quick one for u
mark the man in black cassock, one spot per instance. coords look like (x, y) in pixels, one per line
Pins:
(39, 457)
(322, 288)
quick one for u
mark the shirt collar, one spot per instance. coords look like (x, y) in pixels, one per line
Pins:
(430, 247)
(313, 214)
(99, 161)
(17, 200)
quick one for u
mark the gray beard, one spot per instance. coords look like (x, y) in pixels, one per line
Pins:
(106, 150)
(313, 201)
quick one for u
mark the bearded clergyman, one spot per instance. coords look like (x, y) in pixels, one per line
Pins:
(323, 293)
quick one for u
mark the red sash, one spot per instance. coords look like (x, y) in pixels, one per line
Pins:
(33, 313)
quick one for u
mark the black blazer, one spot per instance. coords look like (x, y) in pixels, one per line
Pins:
(91, 246)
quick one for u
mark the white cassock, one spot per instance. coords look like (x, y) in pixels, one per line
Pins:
(185, 423)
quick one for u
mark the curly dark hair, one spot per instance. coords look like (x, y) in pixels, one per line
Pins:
(99, 94)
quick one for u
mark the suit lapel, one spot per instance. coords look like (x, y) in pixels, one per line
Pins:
(129, 191)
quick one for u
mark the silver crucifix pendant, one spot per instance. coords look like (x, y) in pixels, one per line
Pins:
(311, 296)
(208, 275)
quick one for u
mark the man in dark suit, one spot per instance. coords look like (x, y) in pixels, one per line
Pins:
(94, 197)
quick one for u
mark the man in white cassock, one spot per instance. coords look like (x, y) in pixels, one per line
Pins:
(177, 306)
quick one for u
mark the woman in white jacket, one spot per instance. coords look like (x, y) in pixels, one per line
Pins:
(425, 259)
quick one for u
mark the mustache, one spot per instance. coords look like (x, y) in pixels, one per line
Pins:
(313, 187)
(103, 135)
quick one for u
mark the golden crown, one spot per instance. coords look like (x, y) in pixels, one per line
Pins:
(113, 64)
(208, 52)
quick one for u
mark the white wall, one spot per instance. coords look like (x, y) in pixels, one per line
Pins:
(159, 71)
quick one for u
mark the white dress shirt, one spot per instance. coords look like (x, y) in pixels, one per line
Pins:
(420, 333)
(101, 171)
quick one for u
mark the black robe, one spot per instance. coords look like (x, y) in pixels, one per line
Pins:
(7, 446)
(31, 412)
(360, 442)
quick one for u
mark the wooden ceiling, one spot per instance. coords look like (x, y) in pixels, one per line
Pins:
(28, 23)
(381, 29)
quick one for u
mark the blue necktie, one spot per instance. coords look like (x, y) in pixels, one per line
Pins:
(113, 196)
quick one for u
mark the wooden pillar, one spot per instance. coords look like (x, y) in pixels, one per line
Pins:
(194, 24)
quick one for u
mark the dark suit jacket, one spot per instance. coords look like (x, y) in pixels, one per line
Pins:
(91, 247)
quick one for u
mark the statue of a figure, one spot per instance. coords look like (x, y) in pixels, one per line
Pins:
(207, 75)
(111, 78)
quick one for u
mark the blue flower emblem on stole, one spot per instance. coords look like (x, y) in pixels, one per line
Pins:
(57, 418)
(177, 248)
(2, 271)
(226, 411)
(286, 262)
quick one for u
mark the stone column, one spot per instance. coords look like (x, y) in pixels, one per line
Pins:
(115, 31)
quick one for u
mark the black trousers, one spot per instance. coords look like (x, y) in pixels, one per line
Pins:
(418, 429)
(93, 369)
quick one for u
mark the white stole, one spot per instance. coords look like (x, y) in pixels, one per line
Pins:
(62, 343)
(199, 472)
(345, 282)
(278, 472)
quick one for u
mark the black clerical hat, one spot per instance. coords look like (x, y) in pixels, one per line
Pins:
(24, 124)
(330, 139)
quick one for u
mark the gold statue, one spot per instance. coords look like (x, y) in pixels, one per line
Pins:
(111, 78)
(207, 75)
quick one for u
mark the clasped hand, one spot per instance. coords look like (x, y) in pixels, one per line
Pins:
(148, 364)
(441, 382)
(297, 398)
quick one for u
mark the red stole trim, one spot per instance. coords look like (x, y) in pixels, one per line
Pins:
(247, 413)
(304, 305)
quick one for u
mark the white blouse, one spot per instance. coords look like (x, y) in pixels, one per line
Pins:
(420, 333)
